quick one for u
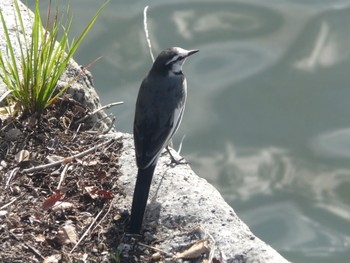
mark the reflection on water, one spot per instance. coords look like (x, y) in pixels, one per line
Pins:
(294, 233)
(326, 41)
(267, 119)
(333, 144)
(300, 208)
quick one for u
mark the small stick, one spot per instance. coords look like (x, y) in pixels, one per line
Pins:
(109, 209)
(67, 159)
(154, 248)
(63, 174)
(36, 252)
(146, 31)
(92, 131)
(99, 109)
(110, 126)
(211, 244)
(12, 174)
(9, 203)
(87, 230)
(76, 132)
(180, 146)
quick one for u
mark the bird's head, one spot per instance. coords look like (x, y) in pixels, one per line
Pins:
(170, 60)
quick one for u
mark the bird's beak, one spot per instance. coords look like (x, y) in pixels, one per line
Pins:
(191, 52)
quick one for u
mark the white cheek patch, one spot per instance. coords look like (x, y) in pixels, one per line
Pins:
(177, 61)
(177, 67)
(181, 53)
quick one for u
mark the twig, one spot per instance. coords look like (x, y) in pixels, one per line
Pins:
(101, 120)
(63, 175)
(109, 209)
(86, 232)
(36, 252)
(9, 203)
(110, 126)
(180, 146)
(211, 244)
(67, 159)
(12, 174)
(76, 132)
(146, 31)
(99, 109)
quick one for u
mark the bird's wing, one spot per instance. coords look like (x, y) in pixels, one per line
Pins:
(153, 128)
(179, 111)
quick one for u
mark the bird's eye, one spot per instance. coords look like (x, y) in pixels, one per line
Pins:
(174, 60)
(179, 58)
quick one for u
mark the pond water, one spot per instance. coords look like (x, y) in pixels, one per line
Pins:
(267, 120)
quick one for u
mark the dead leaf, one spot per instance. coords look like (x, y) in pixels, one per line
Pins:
(195, 251)
(51, 201)
(62, 206)
(53, 259)
(40, 238)
(21, 156)
(105, 194)
(92, 191)
(68, 235)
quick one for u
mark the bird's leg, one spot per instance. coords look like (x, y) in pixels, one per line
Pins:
(173, 159)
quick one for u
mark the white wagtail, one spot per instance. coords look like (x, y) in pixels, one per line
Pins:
(159, 109)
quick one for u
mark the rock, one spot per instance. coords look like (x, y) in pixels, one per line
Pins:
(181, 203)
(183, 208)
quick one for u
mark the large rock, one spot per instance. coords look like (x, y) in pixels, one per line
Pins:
(183, 207)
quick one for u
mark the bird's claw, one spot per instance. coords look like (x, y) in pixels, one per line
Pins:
(174, 161)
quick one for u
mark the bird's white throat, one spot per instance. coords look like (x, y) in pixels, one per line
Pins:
(176, 68)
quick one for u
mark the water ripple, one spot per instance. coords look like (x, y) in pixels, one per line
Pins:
(215, 22)
(284, 199)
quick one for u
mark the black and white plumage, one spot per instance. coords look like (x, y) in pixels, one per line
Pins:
(159, 109)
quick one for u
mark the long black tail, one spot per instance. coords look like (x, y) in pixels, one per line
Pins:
(143, 184)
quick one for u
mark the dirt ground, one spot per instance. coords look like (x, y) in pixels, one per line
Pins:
(58, 190)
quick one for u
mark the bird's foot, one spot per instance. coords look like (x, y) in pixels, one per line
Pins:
(174, 161)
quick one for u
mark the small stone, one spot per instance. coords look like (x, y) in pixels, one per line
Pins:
(16, 190)
(3, 164)
(3, 213)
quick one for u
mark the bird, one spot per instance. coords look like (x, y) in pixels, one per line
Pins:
(159, 109)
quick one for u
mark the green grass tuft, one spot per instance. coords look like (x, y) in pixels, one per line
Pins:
(43, 58)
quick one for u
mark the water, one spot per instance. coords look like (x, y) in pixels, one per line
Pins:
(268, 114)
